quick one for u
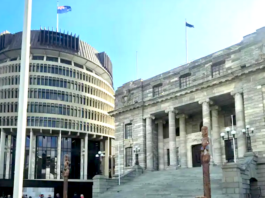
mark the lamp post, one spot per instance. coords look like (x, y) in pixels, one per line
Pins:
(233, 133)
(247, 132)
(100, 155)
(136, 150)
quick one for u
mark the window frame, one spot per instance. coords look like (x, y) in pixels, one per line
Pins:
(218, 69)
(128, 131)
(37, 57)
(128, 157)
(185, 81)
(157, 90)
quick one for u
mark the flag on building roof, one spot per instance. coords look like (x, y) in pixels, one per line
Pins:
(189, 25)
(63, 9)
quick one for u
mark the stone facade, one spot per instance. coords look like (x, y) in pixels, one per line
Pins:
(178, 102)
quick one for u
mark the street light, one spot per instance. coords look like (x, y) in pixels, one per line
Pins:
(233, 133)
(247, 132)
(136, 150)
(100, 155)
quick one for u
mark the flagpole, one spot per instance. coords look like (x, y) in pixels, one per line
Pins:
(23, 100)
(57, 16)
(186, 41)
(136, 65)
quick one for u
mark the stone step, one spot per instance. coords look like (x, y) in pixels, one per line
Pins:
(181, 183)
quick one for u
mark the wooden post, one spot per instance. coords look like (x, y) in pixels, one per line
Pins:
(66, 175)
(205, 159)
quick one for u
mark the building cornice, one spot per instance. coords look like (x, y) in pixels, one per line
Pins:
(213, 82)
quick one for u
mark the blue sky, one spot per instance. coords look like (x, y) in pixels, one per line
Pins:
(154, 28)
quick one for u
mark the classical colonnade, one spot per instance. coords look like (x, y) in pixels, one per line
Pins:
(210, 119)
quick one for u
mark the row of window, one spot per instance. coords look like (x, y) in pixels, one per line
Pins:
(57, 82)
(58, 109)
(59, 70)
(66, 110)
(185, 79)
(48, 94)
(57, 123)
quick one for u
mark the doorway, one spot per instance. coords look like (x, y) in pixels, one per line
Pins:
(196, 155)
(93, 162)
(229, 150)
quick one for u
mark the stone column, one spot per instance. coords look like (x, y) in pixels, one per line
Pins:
(207, 122)
(216, 138)
(2, 153)
(86, 157)
(106, 163)
(161, 145)
(149, 144)
(32, 151)
(240, 123)
(206, 113)
(183, 142)
(7, 160)
(59, 142)
(172, 137)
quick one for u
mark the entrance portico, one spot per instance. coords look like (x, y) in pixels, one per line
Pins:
(178, 131)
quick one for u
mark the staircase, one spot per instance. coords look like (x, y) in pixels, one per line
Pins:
(181, 183)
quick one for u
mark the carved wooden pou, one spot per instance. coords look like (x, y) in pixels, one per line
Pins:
(66, 175)
(205, 160)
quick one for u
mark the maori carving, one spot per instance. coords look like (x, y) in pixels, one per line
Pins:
(66, 166)
(205, 160)
(66, 172)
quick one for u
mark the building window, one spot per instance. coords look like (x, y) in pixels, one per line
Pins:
(78, 65)
(26, 160)
(157, 90)
(218, 68)
(46, 157)
(228, 120)
(185, 80)
(71, 147)
(128, 157)
(67, 62)
(52, 59)
(37, 57)
(128, 131)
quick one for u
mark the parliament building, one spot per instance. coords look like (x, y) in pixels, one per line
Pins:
(163, 115)
(70, 94)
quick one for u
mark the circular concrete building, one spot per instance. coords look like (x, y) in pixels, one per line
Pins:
(70, 94)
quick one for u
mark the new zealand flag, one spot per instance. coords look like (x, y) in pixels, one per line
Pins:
(189, 25)
(63, 9)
